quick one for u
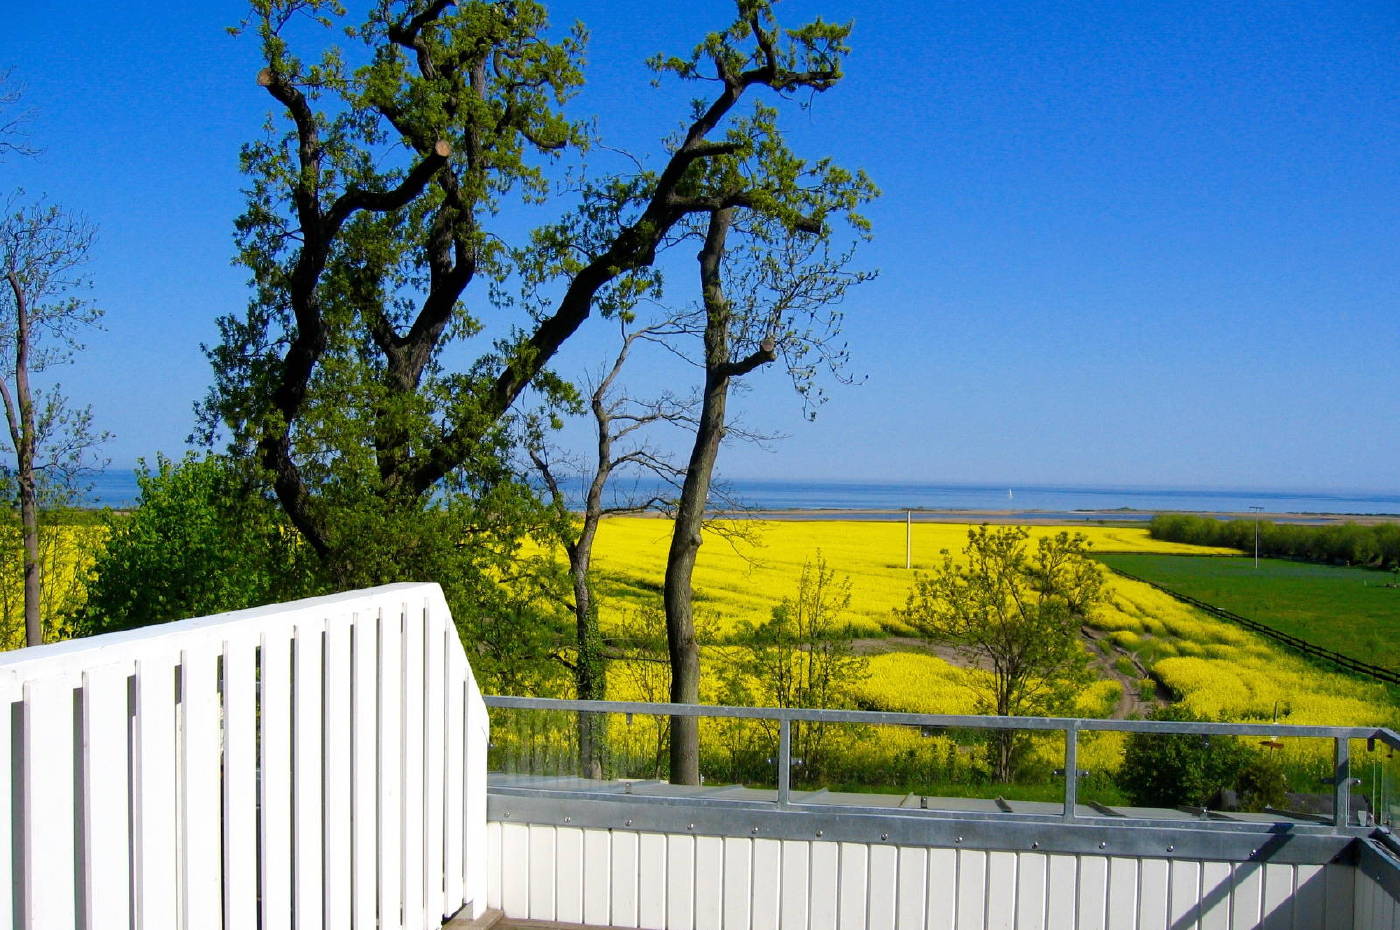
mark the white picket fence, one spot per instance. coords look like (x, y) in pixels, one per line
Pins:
(319, 764)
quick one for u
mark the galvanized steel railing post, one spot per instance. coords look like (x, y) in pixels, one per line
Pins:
(1071, 768)
(784, 761)
(1341, 786)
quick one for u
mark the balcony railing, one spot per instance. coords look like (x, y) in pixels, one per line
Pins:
(324, 764)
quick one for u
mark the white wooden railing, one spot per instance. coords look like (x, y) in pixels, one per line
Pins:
(319, 764)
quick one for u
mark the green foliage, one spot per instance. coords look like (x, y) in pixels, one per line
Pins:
(198, 542)
(1016, 613)
(1172, 769)
(801, 657)
(1375, 546)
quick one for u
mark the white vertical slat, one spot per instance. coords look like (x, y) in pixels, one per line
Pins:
(680, 882)
(767, 883)
(1278, 897)
(203, 858)
(738, 883)
(1031, 871)
(1363, 916)
(49, 862)
(1152, 894)
(541, 878)
(390, 766)
(651, 881)
(10, 693)
(240, 785)
(882, 887)
(155, 868)
(851, 896)
(307, 779)
(1309, 897)
(624, 879)
(1246, 895)
(493, 846)
(515, 870)
(1122, 893)
(709, 882)
(1062, 893)
(797, 865)
(1001, 890)
(454, 894)
(568, 853)
(106, 770)
(825, 881)
(1093, 892)
(474, 815)
(972, 890)
(942, 889)
(434, 761)
(364, 769)
(275, 778)
(336, 774)
(1184, 890)
(413, 692)
(913, 888)
(1216, 878)
(597, 877)
(1340, 881)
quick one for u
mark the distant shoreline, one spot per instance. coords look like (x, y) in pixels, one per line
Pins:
(1118, 516)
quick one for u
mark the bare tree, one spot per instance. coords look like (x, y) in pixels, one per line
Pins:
(12, 119)
(785, 283)
(619, 422)
(42, 251)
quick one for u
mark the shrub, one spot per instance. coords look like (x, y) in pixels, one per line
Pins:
(1172, 769)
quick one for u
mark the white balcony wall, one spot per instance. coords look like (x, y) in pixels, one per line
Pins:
(686, 882)
(319, 764)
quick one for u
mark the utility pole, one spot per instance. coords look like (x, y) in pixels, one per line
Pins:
(1256, 534)
(908, 539)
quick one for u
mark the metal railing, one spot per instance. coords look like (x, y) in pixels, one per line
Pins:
(1341, 779)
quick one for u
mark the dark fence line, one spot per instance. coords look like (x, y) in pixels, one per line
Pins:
(1390, 676)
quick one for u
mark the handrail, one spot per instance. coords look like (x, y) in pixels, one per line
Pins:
(324, 758)
(1071, 727)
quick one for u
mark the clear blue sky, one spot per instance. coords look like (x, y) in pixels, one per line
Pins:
(1146, 244)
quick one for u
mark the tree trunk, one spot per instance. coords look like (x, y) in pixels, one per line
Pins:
(690, 515)
(22, 433)
(590, 675)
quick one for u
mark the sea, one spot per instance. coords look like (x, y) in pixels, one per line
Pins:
(890, 500)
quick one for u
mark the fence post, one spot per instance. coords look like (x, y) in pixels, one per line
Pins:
(1341, 786)
(784, 761)
(1071, 768)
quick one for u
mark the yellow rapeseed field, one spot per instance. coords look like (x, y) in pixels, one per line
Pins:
(1218, 669)
(743, 579)
(66, 553)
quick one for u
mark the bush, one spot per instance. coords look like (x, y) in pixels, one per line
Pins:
(1174, 769)
(197, 543)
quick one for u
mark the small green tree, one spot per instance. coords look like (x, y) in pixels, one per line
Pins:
(197, 543)
(802, 656)
(1171, 769)
(1013, 611)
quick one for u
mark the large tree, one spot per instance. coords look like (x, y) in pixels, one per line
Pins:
(42, 315)
(1013, 612)
(372, 241)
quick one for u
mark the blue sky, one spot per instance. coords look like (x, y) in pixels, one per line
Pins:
(1139, 244)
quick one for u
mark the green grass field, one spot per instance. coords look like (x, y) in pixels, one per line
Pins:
(1348, 610)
